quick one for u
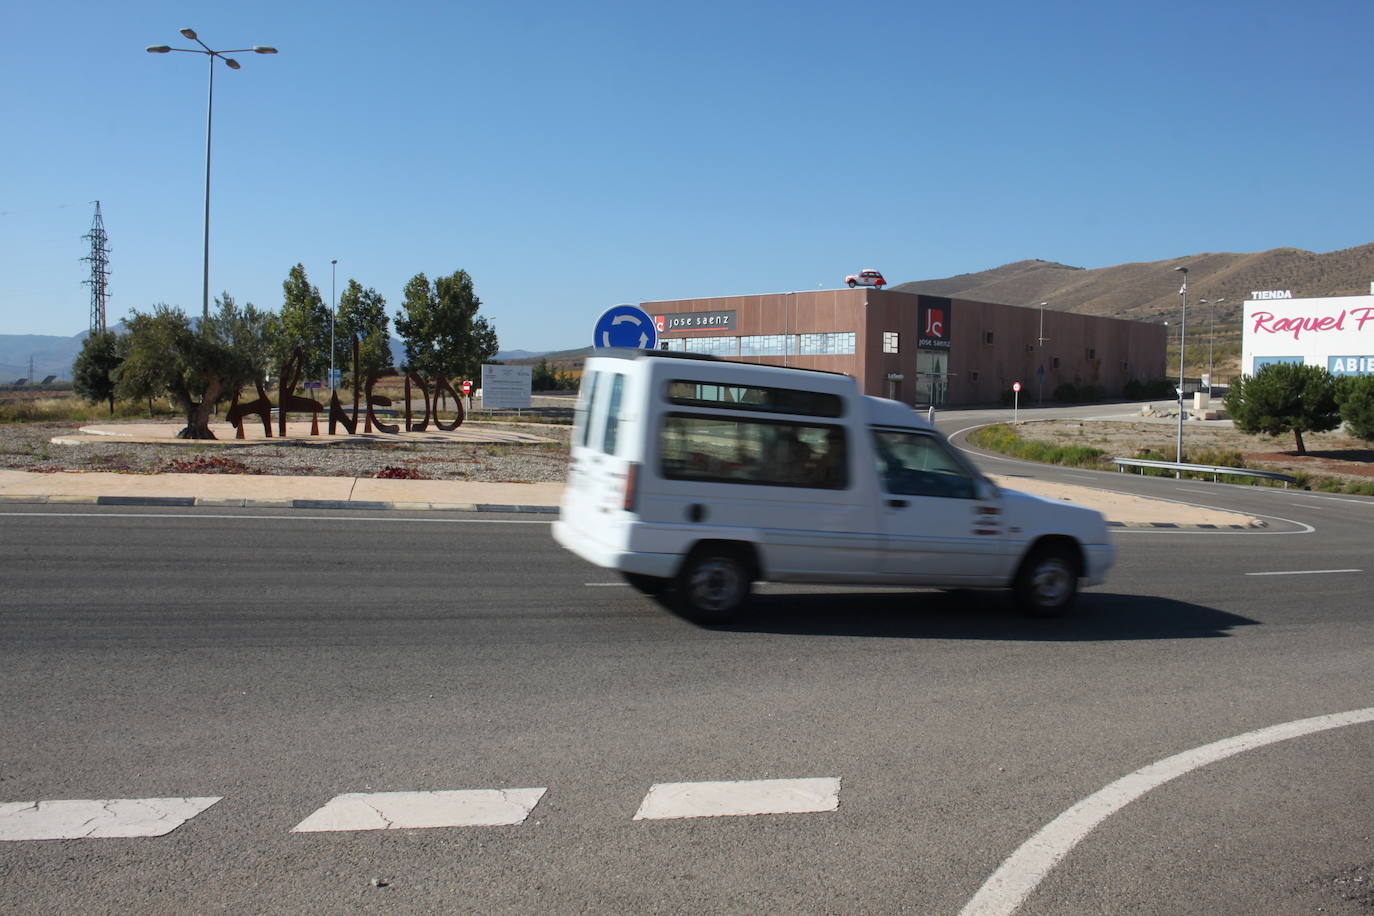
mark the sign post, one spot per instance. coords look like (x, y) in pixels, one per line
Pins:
(1015, 401)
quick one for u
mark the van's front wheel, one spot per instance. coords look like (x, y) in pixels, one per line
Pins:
(713, 584)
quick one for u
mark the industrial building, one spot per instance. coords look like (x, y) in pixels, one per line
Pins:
(921, 350)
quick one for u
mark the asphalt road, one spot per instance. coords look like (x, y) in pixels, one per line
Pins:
(277, 660)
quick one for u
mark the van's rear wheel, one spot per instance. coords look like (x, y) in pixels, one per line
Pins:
(1047, 582)
(713, 585)
(648, 585)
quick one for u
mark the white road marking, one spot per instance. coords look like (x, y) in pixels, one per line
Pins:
(1304, 572)
(667, 800)
(283, 518)
(83, 818)
(1023, 870)
(1334, 499)
(412, 810)
(606, 584)
(1204, 492)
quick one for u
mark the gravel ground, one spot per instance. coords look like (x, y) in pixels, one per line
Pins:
(28, 446)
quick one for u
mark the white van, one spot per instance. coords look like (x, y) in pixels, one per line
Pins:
(703, 476)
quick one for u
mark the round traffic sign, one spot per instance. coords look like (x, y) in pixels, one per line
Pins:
(1015, 386)
(467, 387)
(625, 326)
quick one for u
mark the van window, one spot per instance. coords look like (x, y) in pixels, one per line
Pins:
(762, 452)
(915, 464)
(613, 414)
(582, 421)
(754, 397)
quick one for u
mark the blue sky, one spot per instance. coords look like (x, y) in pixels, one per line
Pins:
(574, 156)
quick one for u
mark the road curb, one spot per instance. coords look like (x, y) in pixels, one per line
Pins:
(1181, 526)
(234, 503)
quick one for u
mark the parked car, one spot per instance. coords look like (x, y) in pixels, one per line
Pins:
(866, 278)
(695, 477)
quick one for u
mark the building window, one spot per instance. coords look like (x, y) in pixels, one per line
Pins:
(826, 344)
(1055, 365)
(890, 342)
(763, 345)
(973, 376)
(1092, 353)
(1030, 348)
(987, 337)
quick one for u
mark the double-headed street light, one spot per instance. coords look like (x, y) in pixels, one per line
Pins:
(209, 120)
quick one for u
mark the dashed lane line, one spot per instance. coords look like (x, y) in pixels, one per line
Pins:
(1303, 572)
(417, 810)
(668, 800)
(78, 819)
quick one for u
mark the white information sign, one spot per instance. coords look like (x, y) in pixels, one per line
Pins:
(506, 386)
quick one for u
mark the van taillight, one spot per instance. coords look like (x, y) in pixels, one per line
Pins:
(631, 487)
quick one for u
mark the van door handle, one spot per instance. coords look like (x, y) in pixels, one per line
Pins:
(897, 503)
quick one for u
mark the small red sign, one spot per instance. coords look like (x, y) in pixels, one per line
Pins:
(467, 387)
(1015, 386)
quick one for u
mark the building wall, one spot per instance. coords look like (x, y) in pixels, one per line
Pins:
(1107, 352)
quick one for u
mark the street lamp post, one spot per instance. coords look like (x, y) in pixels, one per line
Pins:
(333, 315)
(1040, 371)
(209, 122)
(1211, 336)
(1182, 345)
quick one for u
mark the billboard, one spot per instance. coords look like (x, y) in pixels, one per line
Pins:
(1336, 333)
(935, 328)
(506, 386)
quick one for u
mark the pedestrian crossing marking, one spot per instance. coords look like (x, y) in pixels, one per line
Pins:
(745, 797)
(91, 818)
(415, 810)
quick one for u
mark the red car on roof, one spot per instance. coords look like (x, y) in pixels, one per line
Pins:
(866, 278)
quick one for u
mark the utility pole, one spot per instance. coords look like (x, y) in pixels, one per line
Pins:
(100, 271)
(1042, 338)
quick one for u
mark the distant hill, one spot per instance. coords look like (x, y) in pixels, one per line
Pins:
(1148, 291)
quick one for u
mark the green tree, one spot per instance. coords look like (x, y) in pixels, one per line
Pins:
(1355, 395)
(362, 314)
(304, 323)
(441, 327)
(1283, 397)
(166, 356)
(93, 371)
(251, 332)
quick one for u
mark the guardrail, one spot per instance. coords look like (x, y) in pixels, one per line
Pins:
(1215, 470)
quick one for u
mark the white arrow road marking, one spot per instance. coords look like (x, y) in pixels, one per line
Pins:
(728, 799)
(82, 818)
(1022, 872)
(413, 810)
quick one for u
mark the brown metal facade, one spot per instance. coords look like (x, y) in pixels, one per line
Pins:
(950, 352)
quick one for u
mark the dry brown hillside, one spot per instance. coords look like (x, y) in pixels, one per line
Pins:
(1148, 291)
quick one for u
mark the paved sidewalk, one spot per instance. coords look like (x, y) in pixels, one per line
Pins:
(268, 491)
